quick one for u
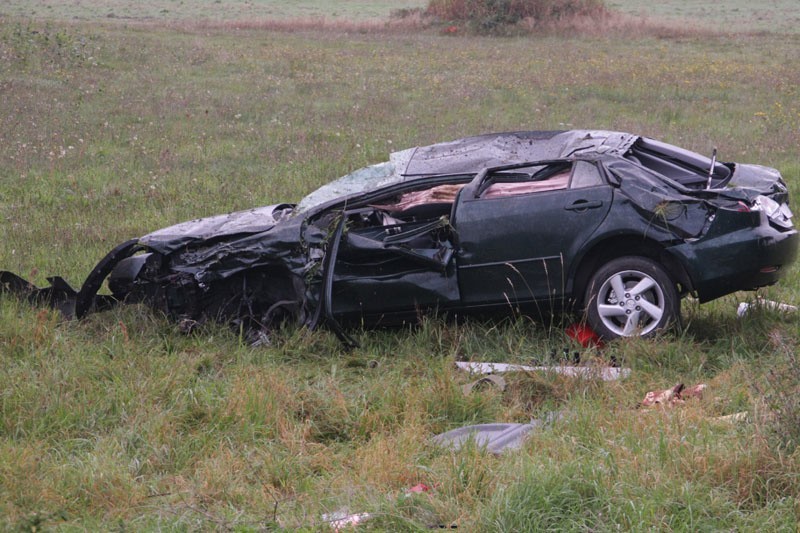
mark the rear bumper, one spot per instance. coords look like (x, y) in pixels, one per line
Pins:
(724, 261)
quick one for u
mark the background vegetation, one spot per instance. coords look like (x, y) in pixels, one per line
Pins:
(110, 129)
(495, 15)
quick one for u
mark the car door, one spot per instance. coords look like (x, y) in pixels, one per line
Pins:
(519, 229)
(397, 257)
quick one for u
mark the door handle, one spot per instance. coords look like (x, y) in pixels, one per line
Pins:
(583, 205)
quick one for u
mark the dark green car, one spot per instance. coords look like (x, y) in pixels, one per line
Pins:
(614, 225)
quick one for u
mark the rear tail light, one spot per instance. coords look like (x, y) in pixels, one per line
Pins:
(778, 214)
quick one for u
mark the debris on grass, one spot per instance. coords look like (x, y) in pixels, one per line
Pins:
(417, 489)
(587, 372)
(494, 438)
(342, 519)
(485, 381)
(585, 336)
(761, 303)
(673, 396)
(735, 418)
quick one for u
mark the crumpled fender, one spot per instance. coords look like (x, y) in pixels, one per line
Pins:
(61, 296)
(85, 299)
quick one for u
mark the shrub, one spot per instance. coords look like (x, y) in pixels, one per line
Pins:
(493, 15)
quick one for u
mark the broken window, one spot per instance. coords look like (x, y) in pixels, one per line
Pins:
(526, 180)
(687, 168)
(430, 202)
(585, 174)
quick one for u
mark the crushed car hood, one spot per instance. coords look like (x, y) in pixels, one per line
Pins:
(216, 228)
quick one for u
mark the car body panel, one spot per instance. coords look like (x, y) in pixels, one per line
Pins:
(410, 268)
(219, 227)
(734, 254)
(507, 250)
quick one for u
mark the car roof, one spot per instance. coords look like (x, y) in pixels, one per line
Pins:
(471, 154)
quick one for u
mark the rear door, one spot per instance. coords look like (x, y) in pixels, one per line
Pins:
(520, 228)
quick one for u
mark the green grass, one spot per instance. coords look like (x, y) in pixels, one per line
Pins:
(108, 132)
(216, 10)
(775, 16)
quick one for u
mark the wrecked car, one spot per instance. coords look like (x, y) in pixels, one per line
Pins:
(613, 225)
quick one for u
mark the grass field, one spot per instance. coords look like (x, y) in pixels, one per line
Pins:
(171, 10)
(108, 131)
(775, 16)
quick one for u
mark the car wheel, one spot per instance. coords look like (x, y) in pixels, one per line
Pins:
(631, 296)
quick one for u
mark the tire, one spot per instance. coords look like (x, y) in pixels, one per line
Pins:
(649, 303)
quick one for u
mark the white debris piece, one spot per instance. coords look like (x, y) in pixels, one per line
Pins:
(606, 373)
(342, 519)
(746, 307)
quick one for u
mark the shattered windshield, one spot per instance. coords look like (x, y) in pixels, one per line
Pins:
(362, 180)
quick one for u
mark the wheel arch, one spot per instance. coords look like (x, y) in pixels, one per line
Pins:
(608, 249)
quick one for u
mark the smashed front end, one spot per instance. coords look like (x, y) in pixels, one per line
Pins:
(243, 268)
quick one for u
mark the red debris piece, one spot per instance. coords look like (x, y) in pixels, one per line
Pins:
(585, 336)
(420, 487)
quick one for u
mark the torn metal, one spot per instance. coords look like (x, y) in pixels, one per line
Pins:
(610, 224)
